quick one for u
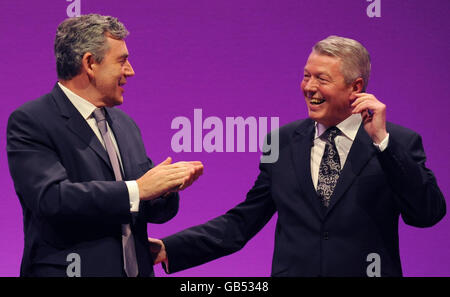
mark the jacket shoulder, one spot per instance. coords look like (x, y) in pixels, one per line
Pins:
(399, 132)
(36, 105)
(289, 128)
(122, 116)
(33, 110)
(286, 132)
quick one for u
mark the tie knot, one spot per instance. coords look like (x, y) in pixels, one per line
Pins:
(99, 114)
(331, 133)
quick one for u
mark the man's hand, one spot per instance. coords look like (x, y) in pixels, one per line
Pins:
(157, 250)
(167, 177)
(373, 113)
(196, 171)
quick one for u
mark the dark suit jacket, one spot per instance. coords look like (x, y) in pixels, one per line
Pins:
(372, 191)
(66, 186)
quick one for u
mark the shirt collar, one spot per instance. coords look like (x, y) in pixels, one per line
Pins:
(349, 127)
(85, 107)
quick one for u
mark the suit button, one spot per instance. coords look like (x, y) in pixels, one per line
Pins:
(325, 235)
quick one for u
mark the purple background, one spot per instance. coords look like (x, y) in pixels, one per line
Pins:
(240, 58)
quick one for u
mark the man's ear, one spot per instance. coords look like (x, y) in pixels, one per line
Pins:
(88, 64)
(358, 86)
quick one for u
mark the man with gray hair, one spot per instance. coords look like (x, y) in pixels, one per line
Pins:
(79, 166)
(342, 179)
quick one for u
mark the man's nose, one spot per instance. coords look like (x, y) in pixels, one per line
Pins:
(310, 85)
(128, 69)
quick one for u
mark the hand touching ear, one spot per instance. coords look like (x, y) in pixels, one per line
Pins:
(373, 113)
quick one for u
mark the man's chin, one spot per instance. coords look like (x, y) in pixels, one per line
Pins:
(318, 117)
(314, 115)
(116, 101)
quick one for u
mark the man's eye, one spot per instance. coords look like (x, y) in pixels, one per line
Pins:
(323, 79)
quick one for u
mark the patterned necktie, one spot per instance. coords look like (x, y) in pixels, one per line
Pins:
(129, 251)
(330, 167)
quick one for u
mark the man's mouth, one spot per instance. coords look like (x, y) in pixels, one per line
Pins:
(316, 101)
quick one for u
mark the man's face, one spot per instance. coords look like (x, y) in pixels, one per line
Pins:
(326, 93)
(112, 73)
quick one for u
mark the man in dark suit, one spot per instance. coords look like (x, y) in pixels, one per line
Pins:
(80, 170)
(343, 178)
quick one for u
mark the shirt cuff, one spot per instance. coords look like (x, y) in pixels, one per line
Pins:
(133, 192)
(383, 145)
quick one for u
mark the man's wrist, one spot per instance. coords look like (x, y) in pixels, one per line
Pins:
(383, 144)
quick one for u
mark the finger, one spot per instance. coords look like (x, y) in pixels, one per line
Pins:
(165, 162)
(188, 180)
(191, 180)
(355, 96)
(171, 183)
(200, 169)
(366, 97)
(360, 100)
(176, 184)
(173, 170)
(180, 165)
(177, 173)
(198, 172)
(153, 240)
(366, 117)
(187, 163)
(183, 186)
(189, 174)
(164, 173)
(155, 244)
(363, 106)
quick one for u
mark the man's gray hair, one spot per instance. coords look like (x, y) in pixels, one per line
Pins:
(79, 35)
(354, 56)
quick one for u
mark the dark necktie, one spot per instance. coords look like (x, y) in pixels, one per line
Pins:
(330, 167)
(129, 251)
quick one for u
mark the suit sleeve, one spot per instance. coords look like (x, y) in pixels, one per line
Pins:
(161, 209)
(418, 196)
(42, 183)
(225, 234)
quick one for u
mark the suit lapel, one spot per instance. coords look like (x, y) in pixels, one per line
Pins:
(301, 156)
(78, 125)
(361, 151)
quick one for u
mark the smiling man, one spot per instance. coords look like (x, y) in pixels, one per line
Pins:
(342, 179)
(80, 170)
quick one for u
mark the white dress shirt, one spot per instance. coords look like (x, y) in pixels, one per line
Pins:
(86, 110)
(349, 127)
